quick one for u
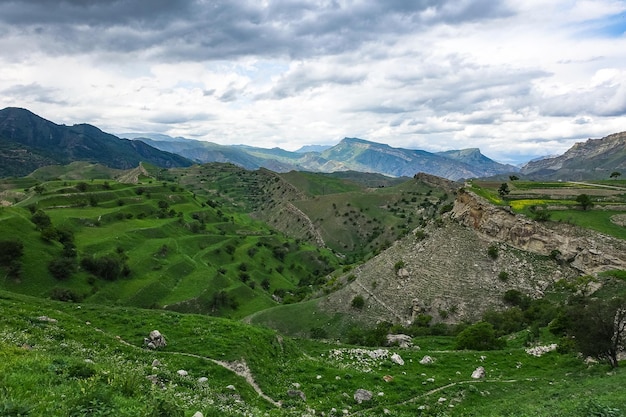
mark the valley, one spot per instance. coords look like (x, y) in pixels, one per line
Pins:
(278, 292)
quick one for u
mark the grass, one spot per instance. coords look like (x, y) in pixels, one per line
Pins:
(175, 246)
(81, 359)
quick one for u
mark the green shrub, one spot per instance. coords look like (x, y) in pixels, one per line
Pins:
(479, 336)
(358, 302)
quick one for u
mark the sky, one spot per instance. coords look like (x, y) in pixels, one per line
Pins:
(517, 79)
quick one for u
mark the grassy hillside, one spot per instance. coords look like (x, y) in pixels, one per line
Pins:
(165, 247)
(92, 362)
(557, 201)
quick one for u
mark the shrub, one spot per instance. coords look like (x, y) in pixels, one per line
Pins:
(492, 251)
(479, 336)
(62, 268)
(358, 302)
(503, 276)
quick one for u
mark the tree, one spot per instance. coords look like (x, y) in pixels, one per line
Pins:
(41, 220)
(598, 327)
(615, 174)
(504, 190)
(513, 177)
(358, 302)
(585, 201)
(479, 336)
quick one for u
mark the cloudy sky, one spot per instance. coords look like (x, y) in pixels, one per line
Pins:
(518, 79)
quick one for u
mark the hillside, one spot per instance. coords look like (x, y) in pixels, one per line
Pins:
(92, 360)
(148, 244)
(593, 159)
(457, 268)
(28, 142)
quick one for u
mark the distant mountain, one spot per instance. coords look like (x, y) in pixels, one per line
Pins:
(351, 154)
(313, 148)
(473, 157)
(361, 155)
(28, 142)
(593, 159)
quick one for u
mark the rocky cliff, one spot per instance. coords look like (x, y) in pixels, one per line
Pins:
(587, 251)
(452, 274)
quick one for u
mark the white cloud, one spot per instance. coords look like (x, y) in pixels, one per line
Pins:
(517, 79)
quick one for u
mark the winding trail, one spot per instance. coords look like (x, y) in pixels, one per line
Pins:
(239, 368)
(438, 389)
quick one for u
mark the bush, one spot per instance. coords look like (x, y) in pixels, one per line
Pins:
(492, 251)
(479, 336)
(62, 268)
(358, 302)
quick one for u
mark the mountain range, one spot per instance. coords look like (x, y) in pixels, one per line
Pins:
(593, 159)
(28, 141)
(350, 154)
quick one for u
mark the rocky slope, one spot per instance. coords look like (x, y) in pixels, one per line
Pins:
(451, 275)
(593, 159)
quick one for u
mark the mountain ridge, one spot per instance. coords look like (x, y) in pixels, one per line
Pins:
(28, 141)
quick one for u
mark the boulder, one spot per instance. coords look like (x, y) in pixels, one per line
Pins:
(478, 373)
(395, 358)
(427, 360)
(155, 340)
(362, 395)
(182, 372)
(401, 340)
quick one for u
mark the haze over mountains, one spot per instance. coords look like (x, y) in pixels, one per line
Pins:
(28, 141)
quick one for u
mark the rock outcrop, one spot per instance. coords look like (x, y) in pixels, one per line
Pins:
(586, 251)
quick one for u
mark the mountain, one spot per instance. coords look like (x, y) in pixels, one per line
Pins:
(593, 159)
(351, 154)
(313, 148)
(361, 155)
(473, 157)
(28, 142)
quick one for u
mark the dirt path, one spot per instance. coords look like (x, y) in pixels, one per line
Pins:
(438, 389)
(238, 367)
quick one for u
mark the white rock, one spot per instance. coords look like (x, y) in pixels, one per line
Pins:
(478, 373)
(203, 379)
(182, 372)
(197, 414)
(442, 400)
(395, 358)
(427, 360)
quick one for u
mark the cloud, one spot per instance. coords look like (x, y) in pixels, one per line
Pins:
(514, 78)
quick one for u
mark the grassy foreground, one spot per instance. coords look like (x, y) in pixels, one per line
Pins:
(67, 359)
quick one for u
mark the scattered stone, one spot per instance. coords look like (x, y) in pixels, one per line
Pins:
(478, 373)
(231, 387)
(401, 340)
(155, 340)
(156, 381)
(296, 385)
(89, 361)
(156, 363)
(203, 379)
(47, 319)
(442, 400)
(182, 372)
(430, 380)
(540, 350)
(318, 377)
(427, 360)
(395, 358)
(198, 414)
(362, 395)
(296, 393)
(387, 378)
